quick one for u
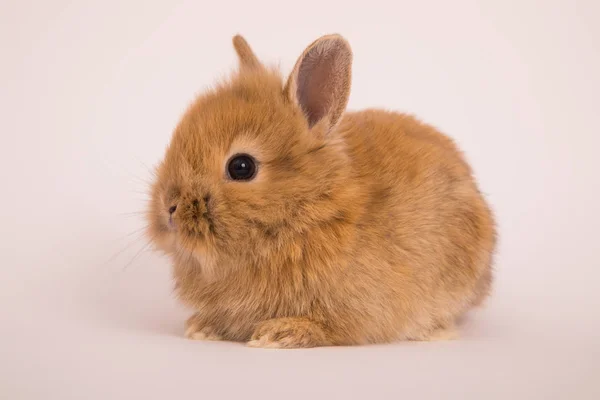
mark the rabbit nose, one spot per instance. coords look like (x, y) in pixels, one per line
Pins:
(172, 209)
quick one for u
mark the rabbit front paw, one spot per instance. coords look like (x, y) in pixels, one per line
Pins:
(288, 333)
(196, 330)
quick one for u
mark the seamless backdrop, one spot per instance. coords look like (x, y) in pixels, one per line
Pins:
(90, 92)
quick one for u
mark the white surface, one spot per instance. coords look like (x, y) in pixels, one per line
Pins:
(91, 92)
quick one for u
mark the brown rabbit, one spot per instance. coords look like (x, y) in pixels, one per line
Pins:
(293, 224)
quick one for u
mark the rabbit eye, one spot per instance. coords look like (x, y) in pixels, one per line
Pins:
(241, 167)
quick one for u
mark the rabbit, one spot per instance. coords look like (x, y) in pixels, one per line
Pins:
(291, 223)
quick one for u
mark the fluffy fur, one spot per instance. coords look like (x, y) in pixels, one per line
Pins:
(361, 227)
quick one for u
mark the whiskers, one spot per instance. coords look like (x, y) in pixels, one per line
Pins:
(138, 241)
(134, 214)
(136, 185)
(139, 235)
(144, 249)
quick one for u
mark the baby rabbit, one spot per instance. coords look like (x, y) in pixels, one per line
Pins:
(291, 223)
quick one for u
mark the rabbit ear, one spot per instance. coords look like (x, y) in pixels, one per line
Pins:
(320, 81)
(245, 54)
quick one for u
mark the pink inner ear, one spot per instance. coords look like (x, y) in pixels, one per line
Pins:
(316, 84)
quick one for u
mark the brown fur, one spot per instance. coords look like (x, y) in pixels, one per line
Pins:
(359, 228)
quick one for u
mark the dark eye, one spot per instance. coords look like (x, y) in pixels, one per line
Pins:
(241, 167)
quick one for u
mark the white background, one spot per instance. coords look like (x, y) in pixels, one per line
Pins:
(90, 93)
